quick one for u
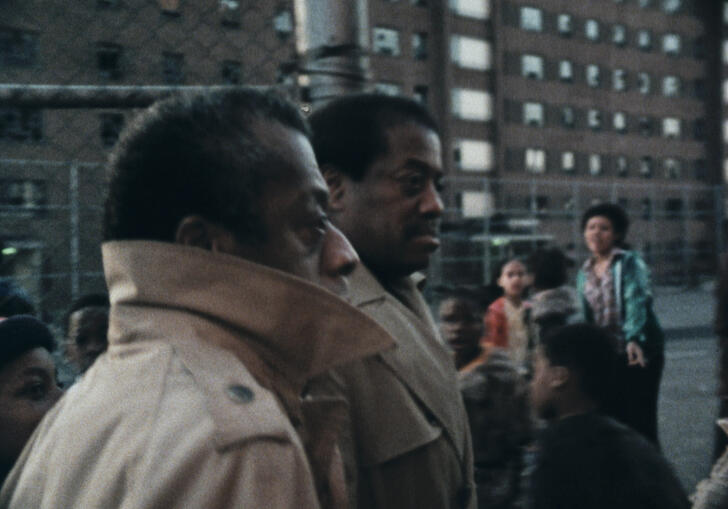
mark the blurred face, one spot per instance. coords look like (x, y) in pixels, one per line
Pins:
(87, 336)
(392, 214)
(513, 279)
(299, 239)
(459, 324)
(542, 393)
(599, 235)
(28, 390)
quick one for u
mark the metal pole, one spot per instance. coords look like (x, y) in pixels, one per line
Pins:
(73, 212)
(332, 42)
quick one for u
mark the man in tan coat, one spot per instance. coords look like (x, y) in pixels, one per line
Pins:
(216, 228)
(382, 160)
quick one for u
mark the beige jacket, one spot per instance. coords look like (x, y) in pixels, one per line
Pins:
(196, 403)
(410, 442)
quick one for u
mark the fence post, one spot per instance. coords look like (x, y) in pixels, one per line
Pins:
(73, 213)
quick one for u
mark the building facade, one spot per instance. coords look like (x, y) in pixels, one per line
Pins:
(545, 107)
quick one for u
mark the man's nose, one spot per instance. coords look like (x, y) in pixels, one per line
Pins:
(338, 258)
(431, 203)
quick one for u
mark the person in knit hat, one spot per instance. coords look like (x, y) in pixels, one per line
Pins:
(28, 387)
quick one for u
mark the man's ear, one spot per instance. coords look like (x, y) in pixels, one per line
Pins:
(560, 376)
(335, 180)
(199, 232)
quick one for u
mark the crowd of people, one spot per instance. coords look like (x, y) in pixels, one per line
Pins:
(265, 342)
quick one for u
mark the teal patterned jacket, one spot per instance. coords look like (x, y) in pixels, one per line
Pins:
(634, 301)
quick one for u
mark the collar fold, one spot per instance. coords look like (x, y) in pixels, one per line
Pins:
(299, 328)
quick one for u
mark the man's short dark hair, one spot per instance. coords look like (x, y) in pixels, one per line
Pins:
(616, 215)
(590, 352)
(349, 133)
(89, 300)
(196, 154)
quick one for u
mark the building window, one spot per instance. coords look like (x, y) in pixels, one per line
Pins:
(21, 124)
(169, 7)
(619, 35)
(671, 44)
(419, 46)
(173, 68)
(568, 162)
(671, 6)
(621, 166)
(646, 208)
(645, 124)
(673, 208)
(595, 164)
(420, 93)
(385, 41)
(533, 114)
(672, 168)
(620, 122)
(471, 53)
(476, 203)
(644, 39)
(567, 116)
(619, 80)
(111, 125)
(387, 88)
(566, 70)
(535, 160)
(671, 86)
(283, 24)
(592, 75)
(671, 127)
(474, 155)
(230, 13)
(725, 91)
(232, 72)
(594, 119)
(532, 67)
(478, 9)
(646, 167)
(531, 19)
(725, 131)
(22, 194)
(564, 24)
(18, 48)
(699, 129)
(469, 104)
(591, 29)
(725, 51)
(643, 83)
(108, 60)
(419, 3)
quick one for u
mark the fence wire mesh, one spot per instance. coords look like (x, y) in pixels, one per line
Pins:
(103, 59)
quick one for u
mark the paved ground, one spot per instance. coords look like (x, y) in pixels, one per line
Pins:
(688, 405)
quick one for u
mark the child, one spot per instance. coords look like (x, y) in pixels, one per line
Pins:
(506, 323)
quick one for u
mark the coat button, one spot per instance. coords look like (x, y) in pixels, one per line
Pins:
(240, 393)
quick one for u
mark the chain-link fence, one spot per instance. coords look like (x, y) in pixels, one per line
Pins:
(674, 226)
(71, 75)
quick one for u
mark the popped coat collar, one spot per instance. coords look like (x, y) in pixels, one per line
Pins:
(302, 329)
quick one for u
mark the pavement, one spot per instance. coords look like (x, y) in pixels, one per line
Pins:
(685, 312)
(688, 404)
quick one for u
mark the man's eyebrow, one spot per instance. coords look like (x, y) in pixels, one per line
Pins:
(419, 165)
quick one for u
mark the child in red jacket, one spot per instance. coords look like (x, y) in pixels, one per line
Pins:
(506, 321)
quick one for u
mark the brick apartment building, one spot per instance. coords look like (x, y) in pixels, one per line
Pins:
(544, 105)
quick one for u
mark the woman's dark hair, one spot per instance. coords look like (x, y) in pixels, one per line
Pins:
(20, 334)
(616, 215)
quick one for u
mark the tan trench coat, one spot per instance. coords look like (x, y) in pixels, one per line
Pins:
(196, 403)
(410, 442)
